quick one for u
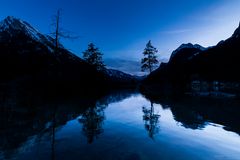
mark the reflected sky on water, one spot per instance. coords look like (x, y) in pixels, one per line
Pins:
(124, 127)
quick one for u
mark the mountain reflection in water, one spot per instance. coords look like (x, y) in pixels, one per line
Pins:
(121, 125)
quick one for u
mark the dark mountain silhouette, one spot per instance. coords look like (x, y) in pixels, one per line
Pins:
(185, 51)
(28, 55)
(192, 63)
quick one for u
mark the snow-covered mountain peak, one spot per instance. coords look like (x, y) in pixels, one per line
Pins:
(12, 25)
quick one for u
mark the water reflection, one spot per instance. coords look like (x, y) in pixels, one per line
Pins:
(92, 121)
(115, 126)
(189, 118)
(198, 112)
(151, 120)
(28, 115)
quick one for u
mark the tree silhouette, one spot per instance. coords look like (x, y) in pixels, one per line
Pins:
(151, 120)
(150, 59)
(92, 121)
(94, 57)
(59, 32)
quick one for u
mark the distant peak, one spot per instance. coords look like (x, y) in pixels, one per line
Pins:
(188, 45)
(9, 20)
(11, 24)
(15, 24)
(237, 32)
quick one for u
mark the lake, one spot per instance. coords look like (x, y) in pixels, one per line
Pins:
(120, 126)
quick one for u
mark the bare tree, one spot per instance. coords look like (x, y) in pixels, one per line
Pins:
(59, 32)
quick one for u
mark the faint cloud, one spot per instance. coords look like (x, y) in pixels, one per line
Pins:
(177, 31)
(208, 19)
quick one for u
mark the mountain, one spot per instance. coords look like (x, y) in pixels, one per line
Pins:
(177, 61)
(28, 55)
(11, 26)
(132, 67)
(121, 77)
(185, 52)
(193, 63)
(220, 62)
(236, 34)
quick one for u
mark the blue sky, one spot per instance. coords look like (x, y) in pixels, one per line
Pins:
(121, 28)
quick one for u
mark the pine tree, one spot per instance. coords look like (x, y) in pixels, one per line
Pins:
(150, 59)
(151, 120)
(94, 57)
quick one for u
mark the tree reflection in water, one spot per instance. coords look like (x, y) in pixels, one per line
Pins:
(151, 120)
(92, 121)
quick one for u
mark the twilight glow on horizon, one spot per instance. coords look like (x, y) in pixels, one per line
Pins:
(121, 28)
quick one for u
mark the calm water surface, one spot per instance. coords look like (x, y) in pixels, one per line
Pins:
(121, 127)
